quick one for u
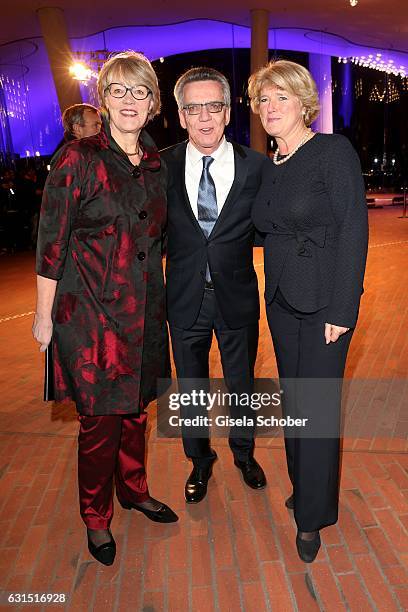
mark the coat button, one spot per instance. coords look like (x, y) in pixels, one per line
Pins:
(274, 226)
(141, 256)
(143, 214)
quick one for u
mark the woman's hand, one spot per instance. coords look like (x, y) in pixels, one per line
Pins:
(42, 330)
(42, 326)
(333, 332)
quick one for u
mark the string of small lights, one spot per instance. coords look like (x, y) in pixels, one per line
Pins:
(376, 62)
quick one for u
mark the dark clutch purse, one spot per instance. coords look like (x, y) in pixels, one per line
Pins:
(49, 375)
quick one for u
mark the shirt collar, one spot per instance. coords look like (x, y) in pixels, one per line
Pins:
(195, 156)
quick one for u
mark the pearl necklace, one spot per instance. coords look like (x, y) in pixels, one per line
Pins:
(309, 134)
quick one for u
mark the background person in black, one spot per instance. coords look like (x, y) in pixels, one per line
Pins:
(211, 281)
(29, 191)
(312, 210)
(10, 215)
(79, 121)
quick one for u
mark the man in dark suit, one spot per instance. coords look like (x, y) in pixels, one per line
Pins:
(79, 121)
(211, 281)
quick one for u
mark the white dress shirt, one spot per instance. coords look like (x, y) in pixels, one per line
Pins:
(222, 171)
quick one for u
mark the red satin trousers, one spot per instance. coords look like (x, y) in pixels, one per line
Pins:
(110, 448)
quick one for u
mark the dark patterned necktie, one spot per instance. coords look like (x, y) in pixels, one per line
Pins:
(207, 198)
(207, 203)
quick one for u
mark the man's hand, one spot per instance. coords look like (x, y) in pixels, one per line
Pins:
(333, 332)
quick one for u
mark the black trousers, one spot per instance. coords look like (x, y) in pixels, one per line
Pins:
(302, 354)
(238, 347)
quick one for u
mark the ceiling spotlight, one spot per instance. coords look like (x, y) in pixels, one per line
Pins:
(353, 2)
(80, 72)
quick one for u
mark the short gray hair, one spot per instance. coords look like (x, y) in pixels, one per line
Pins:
(201, 74)
(75, 114)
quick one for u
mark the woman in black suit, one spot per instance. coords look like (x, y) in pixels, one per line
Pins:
(312, 211)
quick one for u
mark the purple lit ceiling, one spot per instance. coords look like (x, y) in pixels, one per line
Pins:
(372, 22)
(160, 41)
(31, 100)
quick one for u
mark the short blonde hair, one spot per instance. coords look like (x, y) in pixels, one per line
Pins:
(290, 76)
(130, 67)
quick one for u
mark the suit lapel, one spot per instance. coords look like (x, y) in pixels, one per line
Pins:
(240, 176)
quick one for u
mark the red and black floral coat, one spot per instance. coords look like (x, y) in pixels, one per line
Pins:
(100, 237)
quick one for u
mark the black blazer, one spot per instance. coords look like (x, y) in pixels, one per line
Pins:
(313, 213)
(228, 250)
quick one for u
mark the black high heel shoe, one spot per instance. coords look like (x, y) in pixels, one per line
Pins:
(290, 502)
(308, 549)
(163, 515)
(104, 553)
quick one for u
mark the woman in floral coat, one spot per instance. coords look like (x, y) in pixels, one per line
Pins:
(101, 293)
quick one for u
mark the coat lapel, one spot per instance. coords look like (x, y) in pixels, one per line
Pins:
(240, 176)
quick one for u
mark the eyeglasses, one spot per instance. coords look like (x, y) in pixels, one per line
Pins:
(117, 90)
(211, 107)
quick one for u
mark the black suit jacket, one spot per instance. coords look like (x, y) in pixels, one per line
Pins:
(312, 210)
(228, 250)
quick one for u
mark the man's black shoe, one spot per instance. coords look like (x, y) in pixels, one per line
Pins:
(196, 485)
(252, 472)
(290, 502)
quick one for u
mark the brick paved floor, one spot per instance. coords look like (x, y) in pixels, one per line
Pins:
(235, 551)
